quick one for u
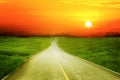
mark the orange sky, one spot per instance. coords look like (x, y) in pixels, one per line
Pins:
(38, 17)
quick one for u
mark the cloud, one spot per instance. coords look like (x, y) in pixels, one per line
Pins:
(3, 1)
(111, 4)
(97, 3)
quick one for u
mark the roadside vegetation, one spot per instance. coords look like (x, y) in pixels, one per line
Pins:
(15, 50)
(102, 51)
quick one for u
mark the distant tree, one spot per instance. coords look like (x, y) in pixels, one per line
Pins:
(112, 34)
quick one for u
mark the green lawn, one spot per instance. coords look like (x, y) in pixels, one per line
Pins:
(102, 51)
(15, 50)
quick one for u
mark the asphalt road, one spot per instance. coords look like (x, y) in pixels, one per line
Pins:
(55, 64)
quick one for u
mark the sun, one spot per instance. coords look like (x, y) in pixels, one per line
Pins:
(88, 24)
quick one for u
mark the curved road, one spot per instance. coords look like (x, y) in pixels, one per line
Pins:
(55, 64)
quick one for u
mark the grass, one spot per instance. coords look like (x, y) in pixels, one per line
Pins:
(15, 50)
(102, 51)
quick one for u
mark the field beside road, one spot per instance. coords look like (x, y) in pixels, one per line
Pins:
(15, 50)
(102, 51)
(55, 64)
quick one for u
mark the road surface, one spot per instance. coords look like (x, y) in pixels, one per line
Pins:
(55, 64)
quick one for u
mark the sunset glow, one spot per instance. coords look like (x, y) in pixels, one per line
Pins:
(53, 17)
(88, 24)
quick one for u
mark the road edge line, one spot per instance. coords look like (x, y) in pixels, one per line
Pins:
(20, 66)
(97, 65)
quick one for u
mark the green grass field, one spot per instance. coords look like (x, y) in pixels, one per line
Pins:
(15, 50)
(102, 51)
